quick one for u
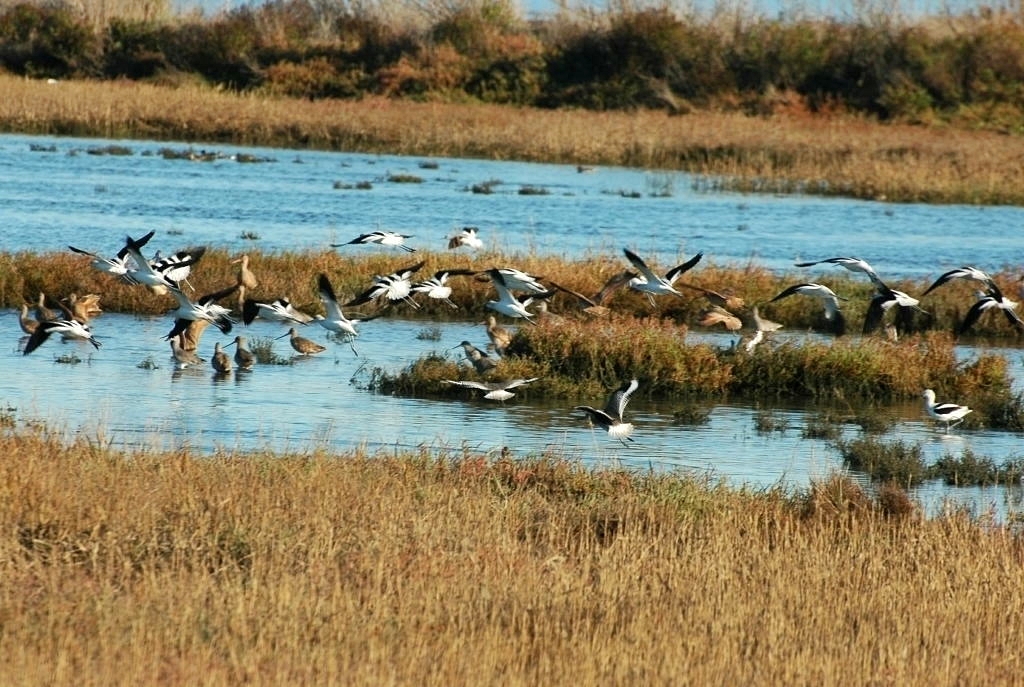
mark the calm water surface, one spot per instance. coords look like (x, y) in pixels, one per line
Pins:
(128, 392)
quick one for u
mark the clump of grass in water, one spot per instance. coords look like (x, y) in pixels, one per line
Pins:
(691, 414)
(263, 348)
(894, 461)
(148, 363)
(533, 191)
(874, 422)
(249, 236)
(485, 187)
(67, 359)
(766, 422)
(824, 425)
(429, 334)
(402, 178)
(109, 150)
(971, 469)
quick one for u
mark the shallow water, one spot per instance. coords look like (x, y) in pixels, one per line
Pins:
(291, 202)
(128, 393)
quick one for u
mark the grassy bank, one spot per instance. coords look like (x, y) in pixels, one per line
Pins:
(782, 153)
(320, 569)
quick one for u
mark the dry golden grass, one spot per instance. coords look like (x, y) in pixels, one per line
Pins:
(782, 153)
(23, 275)
(175, 569)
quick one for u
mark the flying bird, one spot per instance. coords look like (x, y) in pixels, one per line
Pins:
(118, 266)
(437, 286)
(508, 304)
(652, 284)
(610, 418)
(206, 308)
(883, 301)
(496, 391)
(467, 236)
(280, 310)
(383, 238)
(336, 322)
(828, 298)
(852, 264)
(69, 329)
(595, 306)
(966, 272)
(993, 299)
(393, 287)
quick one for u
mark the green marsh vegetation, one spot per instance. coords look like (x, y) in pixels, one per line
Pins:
(322, 568)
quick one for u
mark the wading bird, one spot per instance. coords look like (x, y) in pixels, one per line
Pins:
(246, 278)
(28, 325)
(595, 306)
(183, 358)
(610, 418)
(221, 361)
(302, 345)
(244, 358)
(883, 301)
(481, 362)
(499, 336)
(950, 413)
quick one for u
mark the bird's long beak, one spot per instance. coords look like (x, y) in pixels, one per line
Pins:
(282, 336)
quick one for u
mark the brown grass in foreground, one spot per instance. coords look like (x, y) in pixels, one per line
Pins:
(783, 153)
(175, 569)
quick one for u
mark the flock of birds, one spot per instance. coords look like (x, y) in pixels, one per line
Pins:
(516, 292)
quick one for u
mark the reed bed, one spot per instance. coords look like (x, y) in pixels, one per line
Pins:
(402, 569)
(586, 358)
(24, 275)
(783, 153)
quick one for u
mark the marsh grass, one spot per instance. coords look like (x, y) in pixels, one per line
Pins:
(823, 425)
(769, 422)
(886, 461)
(263, 348)
(362, 569)
(784, 153)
